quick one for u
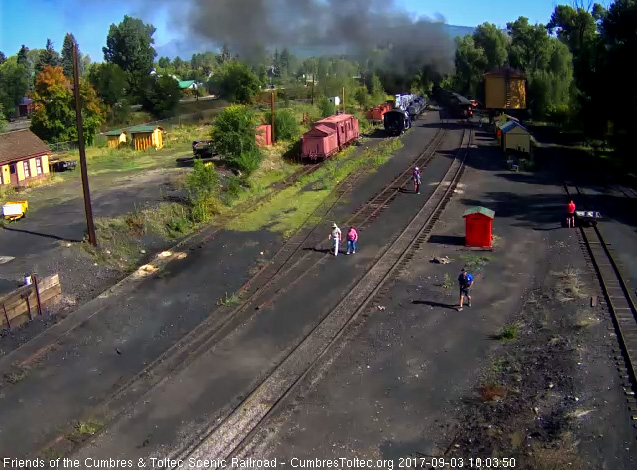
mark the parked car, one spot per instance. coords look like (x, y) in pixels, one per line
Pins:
(63, 165)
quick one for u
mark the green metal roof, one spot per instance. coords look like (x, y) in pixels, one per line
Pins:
(480, 210)
(185, 83)
(142, 129)
(115, 132)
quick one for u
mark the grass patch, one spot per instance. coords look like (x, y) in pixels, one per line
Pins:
(446, 282)
(15, 377)
(473, 261)
(85, 429)
(508, 333)
(291, 207)
(568, 286)
(227, 301)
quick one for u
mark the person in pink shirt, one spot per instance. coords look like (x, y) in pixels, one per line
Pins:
(352, 238)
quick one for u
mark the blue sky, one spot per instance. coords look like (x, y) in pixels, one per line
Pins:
(31, 22)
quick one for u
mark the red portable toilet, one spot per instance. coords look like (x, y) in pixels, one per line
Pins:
(478, 222)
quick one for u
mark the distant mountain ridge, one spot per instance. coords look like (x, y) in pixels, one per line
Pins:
(185, 49)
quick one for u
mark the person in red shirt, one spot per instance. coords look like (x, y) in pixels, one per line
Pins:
(570, 214)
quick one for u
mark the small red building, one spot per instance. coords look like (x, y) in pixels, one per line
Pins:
(319, 142)
(478, 222)
(263, 135)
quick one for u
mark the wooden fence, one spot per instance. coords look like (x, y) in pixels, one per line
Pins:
(26, 302)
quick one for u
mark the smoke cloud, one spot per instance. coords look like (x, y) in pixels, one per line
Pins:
(375, 31)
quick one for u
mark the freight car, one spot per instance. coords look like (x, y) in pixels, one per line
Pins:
(396, 121)
(329, 136)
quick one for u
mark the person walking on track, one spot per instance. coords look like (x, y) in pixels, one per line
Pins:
(417, 180)
(352, 238)
(465, 281)
(335, 236)
(570, 214)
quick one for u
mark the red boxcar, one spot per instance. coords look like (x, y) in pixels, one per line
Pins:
(319, 142)
(345, 125)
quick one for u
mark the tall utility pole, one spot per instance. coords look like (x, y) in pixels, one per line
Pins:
(343, 100)
(80, 138)
(272, 114)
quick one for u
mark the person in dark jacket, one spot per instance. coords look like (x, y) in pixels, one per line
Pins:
(465, 281)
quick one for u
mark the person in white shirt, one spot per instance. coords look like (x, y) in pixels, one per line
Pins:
(335, 236)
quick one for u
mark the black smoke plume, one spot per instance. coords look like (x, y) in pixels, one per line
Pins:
(375, 32)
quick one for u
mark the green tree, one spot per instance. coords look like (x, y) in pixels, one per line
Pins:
(224, 56)
(67, 57)
(494, 43)
(110, 82)
(54, 101)
(48, 57)
(617, 31)
(85, 63)
(164, 62)
(471, 61)
(3, 122)
(161, 96)
(23, 56)
(130, 46)
(235, 82)
(285, 61)
(3, 58)
(326, 107)
(233, 131)
(529, 49)
(376, 90)
(14, 83)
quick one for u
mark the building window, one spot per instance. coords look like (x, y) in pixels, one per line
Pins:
(12, 169)
(25, 164)
(38, 165)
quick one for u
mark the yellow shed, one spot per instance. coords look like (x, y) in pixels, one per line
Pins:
(115, 138)
(505, 88)
(144, 137)
(24, 157)
(514, 136)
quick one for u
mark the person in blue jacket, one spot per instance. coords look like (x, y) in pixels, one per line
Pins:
(465, 281)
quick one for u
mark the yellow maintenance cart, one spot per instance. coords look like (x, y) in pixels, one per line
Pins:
(15, 210)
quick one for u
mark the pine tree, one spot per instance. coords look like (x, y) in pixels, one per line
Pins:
(225, 55)
(3, 58)
(67, 56)
(49, 56)
(23, 58)
(276, 63)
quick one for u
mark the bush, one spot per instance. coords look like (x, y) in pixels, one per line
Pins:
(247, 162)
(285, 125)
(234, 130)
(203, 182)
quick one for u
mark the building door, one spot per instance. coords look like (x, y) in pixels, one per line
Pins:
(13, 171)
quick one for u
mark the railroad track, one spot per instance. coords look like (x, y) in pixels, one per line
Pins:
(259, 291)
(616, 293)
(230, 433)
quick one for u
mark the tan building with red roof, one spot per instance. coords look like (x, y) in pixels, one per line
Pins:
(24, 157)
